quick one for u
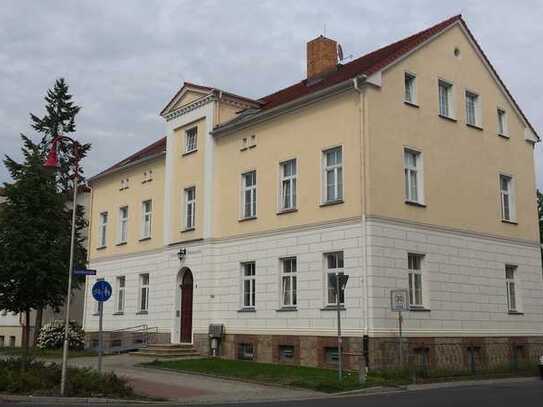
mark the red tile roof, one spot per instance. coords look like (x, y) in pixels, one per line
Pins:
(158, 147)
(367, 64)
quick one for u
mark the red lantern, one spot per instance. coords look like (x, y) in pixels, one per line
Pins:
(52, 156)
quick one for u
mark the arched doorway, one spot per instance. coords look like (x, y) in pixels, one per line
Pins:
(186, 307)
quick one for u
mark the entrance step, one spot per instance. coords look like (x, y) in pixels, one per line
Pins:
(168, 351)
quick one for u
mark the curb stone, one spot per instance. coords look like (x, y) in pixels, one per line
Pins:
(43, 400)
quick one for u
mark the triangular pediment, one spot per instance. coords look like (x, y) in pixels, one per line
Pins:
(188, 94)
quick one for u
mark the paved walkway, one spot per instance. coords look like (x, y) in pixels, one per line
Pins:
(186, 387)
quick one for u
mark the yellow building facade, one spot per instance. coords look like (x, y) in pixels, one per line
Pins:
(408, 168)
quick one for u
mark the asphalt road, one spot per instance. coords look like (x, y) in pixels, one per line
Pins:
(524, 394)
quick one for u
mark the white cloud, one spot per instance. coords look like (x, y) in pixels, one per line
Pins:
(125, 59)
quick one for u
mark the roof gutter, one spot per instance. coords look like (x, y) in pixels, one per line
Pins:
(266, 115)
(124, 167)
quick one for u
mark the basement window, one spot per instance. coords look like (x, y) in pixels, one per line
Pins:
(246, 351)
(286, 353)
(331, 355)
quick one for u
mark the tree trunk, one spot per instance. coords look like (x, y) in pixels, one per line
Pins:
(37, 325)
(26, 332)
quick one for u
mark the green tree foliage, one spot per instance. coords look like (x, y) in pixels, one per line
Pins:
(35, 220)
(60, 118)
(540, 215)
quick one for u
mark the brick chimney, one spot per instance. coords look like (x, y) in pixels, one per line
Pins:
(321, 57)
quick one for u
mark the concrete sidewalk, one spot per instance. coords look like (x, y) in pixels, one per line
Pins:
(186, 387)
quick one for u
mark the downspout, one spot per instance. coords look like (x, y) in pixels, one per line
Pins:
(363, 193)
(89, 210)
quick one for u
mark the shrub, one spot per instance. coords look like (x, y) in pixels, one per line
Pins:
(52, 336)
(29, 376)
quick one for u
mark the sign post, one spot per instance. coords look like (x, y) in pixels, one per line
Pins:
(101, 291)
(399, 301)
(340, 283)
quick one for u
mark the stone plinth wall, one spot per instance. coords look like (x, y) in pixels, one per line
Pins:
(452, 353)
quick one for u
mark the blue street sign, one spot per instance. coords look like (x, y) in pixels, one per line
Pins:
(101, 290)
(84, 272)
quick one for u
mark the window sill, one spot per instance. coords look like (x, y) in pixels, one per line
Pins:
(121, 243)
(96, 314)
(252, 146)
(452, 119)
(143, 239)
(504, 136)
(247, 218)
(286, 309)
(474, 126)
(101, 248)
(330, 203)
(189, 152)
(412, 104)
(142, 313)
(511, 222)
(248, 309)
(146, 181)
(285, 211)
(188, 230)
(413, 203)
(419, 309)
(118, 313)
(515, 313)
(333, 308)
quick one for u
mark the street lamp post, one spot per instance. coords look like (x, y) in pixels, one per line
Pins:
(52, 162)
(340, 283)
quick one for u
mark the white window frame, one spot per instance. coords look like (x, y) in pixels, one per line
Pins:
(191, 140)
(289, 282)
(511, 287)
(143, 298)
(189, 214)
(337, 171)
(468, 95)
(120, 294)
(415, 280)
(451, 114)
(502, 128)
(418, 171)
(509, 196)
(251, 189)
(102, 229)
(412, 91)
(123, 225)
(248, 274)
(290, 182)
(331, 272)
(146, 219)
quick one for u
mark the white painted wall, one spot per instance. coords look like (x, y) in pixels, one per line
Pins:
(464, 279)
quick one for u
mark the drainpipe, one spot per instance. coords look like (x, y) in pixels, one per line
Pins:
(357, 82)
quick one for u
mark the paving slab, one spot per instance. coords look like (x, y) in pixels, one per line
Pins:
(186, 387)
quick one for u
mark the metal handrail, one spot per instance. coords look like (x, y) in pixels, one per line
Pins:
(130, 328)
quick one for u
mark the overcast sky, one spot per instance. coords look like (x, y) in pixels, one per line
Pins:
(124, 60)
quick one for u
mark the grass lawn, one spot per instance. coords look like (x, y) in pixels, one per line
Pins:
(307, 377)
(44, 353)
